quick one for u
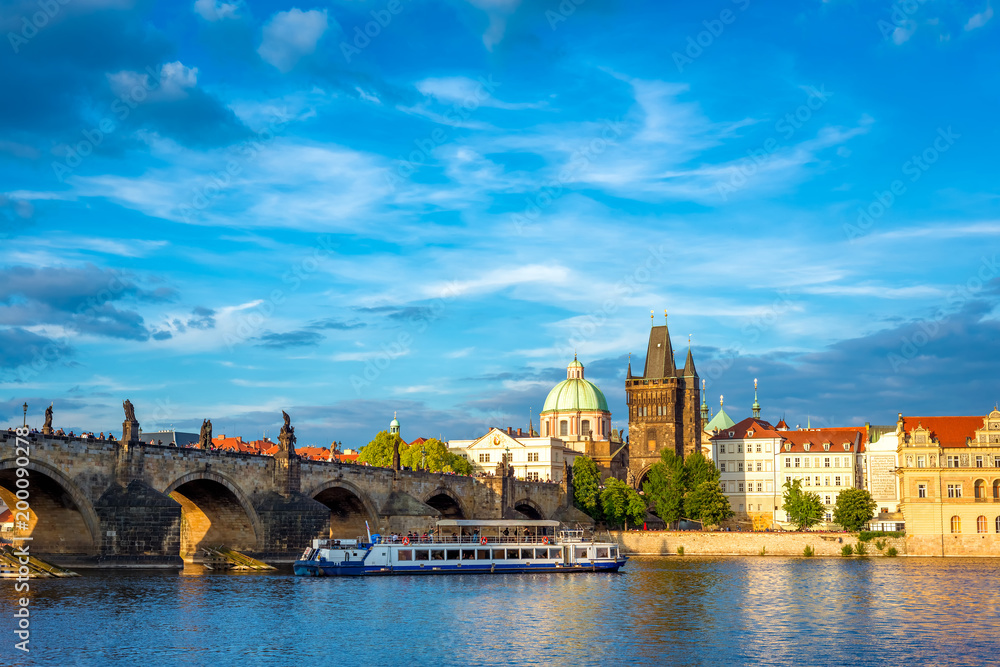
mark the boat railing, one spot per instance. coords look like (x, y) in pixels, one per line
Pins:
(467, 539)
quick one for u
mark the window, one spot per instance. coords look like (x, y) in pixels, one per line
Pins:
(836, 462)
(563, 427)
(956, 524)
(954, 491)
(499, 554)
(739, 447)
(585, 427)
(722, 466)
(921, 461)
(952, 461)
(981, 524)
(979, 461)
(996, 461)
(739, 466)
(826, 462)
(482, 554)
(996, 489)
(980, 489)
(796, 462)
(468, 554)
(805, 461)
(807, 480)
(921, 490)
(788, 461)
(817, 480)
(760, 487)
(421, 554)
(405, 554)
(484, 458)
(722, 486)
(760, 466)
(826, 481)
(826, 501)
(836, 480)
(741, 491)
(758, 448)
(998, 524)
(741, 507)
(533, 457)
(453, 554)
(546, 425)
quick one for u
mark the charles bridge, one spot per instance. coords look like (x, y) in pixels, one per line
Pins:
(105, 503)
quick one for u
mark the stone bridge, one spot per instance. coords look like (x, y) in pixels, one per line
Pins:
(102, 503)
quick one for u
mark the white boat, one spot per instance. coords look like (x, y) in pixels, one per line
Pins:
(461, 546)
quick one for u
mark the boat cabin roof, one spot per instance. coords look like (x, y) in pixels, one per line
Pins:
(458, 523)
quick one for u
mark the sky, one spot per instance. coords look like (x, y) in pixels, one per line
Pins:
(352, 208)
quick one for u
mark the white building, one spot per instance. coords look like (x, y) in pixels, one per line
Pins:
(744, 454)
(536, 458)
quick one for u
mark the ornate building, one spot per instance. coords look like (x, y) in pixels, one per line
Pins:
(663, 406)
(950, 484)
(576, 412)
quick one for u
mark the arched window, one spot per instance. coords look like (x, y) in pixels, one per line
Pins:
(980, 489)
(546, 428)
(564, 427)
(585, 427)
(956, 524)
(996, 488)
(981, 524)
(998, 524)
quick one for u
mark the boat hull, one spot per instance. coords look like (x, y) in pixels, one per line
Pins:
(313, 568)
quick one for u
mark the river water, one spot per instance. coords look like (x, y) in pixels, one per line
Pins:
(669, 610)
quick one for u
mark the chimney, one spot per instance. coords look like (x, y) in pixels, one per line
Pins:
(510, 430)
(519, 434)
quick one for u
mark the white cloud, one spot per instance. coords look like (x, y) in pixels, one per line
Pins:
(172, 82)
(980, 19)
(288, 36)
(214, 10)
(498, 12)
(463, 90)
(903, 32)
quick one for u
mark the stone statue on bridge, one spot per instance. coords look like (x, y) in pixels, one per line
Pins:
(205, 436)
(47, 426)
(286, 438)
(130, 427)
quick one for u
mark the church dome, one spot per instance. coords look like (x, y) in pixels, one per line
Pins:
(575, 393)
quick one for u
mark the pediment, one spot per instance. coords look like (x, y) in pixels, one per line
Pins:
(495, 439)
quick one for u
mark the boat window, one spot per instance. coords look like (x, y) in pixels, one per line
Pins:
(437, 554)
(602, 552)
(512, 554)
(422, 554)
(499, 554)
(453, 554)
(483, 554)
(581, 553)
(555, 553)
(405, 554)
(614, 552)
(469, 554)
(527, 553)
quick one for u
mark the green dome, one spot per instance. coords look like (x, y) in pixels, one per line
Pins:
(720, 421)
(574, 393)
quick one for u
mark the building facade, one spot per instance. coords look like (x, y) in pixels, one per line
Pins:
(827, 460)
(664, 407)
(540, 459)
(950, 484)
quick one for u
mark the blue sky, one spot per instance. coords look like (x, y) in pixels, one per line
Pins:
(343, 209)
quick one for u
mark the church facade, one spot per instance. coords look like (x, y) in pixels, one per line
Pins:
(664, 407)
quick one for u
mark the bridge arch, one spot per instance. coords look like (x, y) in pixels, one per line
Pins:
(447, 502)
(349, 507)
(71, 525)
(529, 508)
(214, 511)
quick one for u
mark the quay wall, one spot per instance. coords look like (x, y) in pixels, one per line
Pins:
(696, 543)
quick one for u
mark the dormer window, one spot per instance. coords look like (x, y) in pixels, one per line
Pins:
(750, 433)
(826, 446)
(806, 447)
(788, 446)
(732, 433)
(847, 446)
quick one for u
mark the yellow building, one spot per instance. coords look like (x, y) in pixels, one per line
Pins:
(950, 484)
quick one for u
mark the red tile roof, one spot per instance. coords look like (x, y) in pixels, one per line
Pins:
(949, 431)
(313, 453)
(347, 457)
(817, 437)
(760, 428)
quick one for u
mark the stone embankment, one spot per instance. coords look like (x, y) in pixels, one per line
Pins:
(696, 543)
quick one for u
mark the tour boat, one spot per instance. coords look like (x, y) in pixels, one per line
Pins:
(460, 546)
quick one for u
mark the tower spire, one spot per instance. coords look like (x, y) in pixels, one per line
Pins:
(628, 375)
(704, 404)
(756, 404)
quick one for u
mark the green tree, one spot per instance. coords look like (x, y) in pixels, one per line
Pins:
(698, 471)
(622, 505)
(712, 506)
(378, 452)
(586, 486)
(664, 487)
(803, 508)
(854, 508)
(436, 455)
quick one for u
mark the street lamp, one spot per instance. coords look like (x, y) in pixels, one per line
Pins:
(26, 414)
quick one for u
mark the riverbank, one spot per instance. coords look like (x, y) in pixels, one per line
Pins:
(697, 543)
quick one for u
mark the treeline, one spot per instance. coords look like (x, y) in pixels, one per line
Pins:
(378, 452)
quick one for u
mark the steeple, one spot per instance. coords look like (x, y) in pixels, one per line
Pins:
(704, 404)
(756, 405)
(660, 353)
(394, 425)
(689, 370)
(628, 375)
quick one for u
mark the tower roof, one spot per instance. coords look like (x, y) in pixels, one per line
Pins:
(575, 393)
(720, 421)
(689, 370)
(659, 355)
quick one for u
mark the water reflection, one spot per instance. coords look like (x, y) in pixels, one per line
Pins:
(682, 611)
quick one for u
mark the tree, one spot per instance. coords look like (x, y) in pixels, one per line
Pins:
(664, 487)
(712, 505)
(803, 508)
(378, 452)
(436, 455)
(586, 486)
(698, 471)
(622, 505)
(854, 508)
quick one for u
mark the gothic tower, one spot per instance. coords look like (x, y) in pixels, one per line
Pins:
(664, 410)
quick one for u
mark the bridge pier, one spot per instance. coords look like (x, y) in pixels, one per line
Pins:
(140, 527)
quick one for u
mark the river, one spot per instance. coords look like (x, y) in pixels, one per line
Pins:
(668, 610)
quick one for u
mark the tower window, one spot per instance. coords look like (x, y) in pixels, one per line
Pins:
(585, 427)
(564, 427)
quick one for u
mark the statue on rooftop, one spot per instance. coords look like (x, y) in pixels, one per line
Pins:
(47, 426)
(129, 411)
(286, 438)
